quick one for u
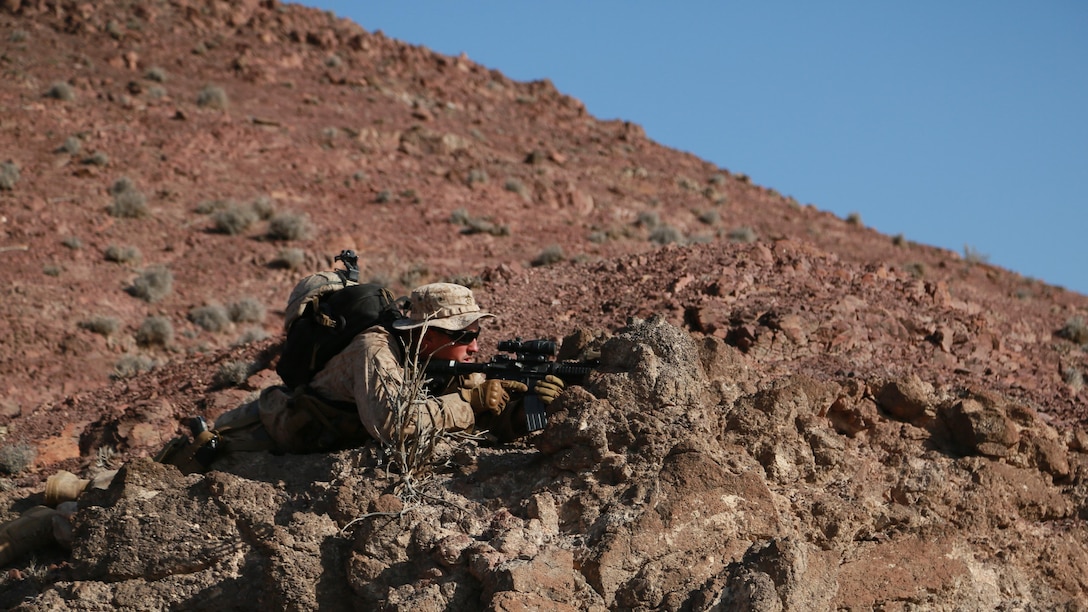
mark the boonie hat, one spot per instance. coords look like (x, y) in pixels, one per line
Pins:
(443, 305)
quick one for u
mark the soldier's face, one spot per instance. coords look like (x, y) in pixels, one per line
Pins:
(460, 345)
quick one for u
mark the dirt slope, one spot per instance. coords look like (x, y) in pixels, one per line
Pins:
(798, 412)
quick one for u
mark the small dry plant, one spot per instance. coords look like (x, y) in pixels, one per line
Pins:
(419, 445)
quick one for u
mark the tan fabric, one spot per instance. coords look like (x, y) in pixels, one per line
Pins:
(369, 370)
(444, 305)
(312, 286)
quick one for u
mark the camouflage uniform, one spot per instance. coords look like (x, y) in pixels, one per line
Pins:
(366, 373)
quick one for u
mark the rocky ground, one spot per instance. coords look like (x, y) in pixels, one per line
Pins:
(793, 411)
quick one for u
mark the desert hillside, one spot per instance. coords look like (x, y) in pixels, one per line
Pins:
(793, 411)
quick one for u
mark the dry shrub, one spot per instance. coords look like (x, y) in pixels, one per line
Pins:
(290, 258)
(550, 255)
(211, 317)
(71, 146)
(213, 96)
(516, 186)
(127, 254)
(477, 225)
(61, 90)
(208, 207)
(253, 334)
(1075, 329)
(289, 226)
(153, 284)
(710, 217)
(264, 207)
(472, 281)
(414, 275)
(130, 365)
(234, 219)
(155, 331)
(233, 373)
(101, 325)
(98, 158)
(742, 234)
(418, 445)
(247, 310)
(666, 234)
(128, 201)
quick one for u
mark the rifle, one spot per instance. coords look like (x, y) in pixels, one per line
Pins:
(532, 360)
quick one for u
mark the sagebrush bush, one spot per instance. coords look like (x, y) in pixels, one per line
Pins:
(414, 275)
(155, 331)
(211, 317)
(101, 325)
(156, 74)
(648, 219)
(234, 219)
(208, 207)
(666, 234)
(742, 234)
(9, 175)
(130, 365)
(233, 373)
(61, 90)
(14, 458)
(477, 225)
(485, 226)
(476, 177)
(71, 146)
(550, 255)
(98, 158)
(72, 242)
(212, 96)
(460, 217)
(289, 226)
(973, 255)
(123, 254)
(247, 310)
(710, 217)
(1074, 378)
(264, 207)
(716, 197)
(516, 186)
(153, 284)
(290, 258)
(253, 334)
(128, 201)
(1075, 329)
(471, 281)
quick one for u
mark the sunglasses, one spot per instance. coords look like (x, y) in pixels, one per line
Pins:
(460, 336)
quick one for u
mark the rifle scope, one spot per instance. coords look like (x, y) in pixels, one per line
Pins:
(528, 347)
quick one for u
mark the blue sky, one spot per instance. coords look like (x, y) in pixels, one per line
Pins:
(957, 124)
